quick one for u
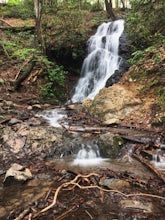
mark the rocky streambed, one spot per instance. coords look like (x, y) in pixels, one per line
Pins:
(44, 156)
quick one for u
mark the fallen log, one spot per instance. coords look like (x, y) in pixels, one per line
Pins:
(150, 167)
(24, 75)
(116, 130)
(84, 128)
(135, 139)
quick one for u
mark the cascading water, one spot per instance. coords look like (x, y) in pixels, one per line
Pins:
(88, 155)
(101, 62)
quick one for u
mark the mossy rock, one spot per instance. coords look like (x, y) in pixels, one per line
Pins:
(110, 145)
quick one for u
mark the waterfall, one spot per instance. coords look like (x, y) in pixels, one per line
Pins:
(88, 155)
(101, 62)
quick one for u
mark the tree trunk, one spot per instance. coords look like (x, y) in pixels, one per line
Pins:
(108, 5)
(38, 27)
(123, 3)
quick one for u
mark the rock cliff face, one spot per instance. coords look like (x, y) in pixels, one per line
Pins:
(124, 53)
(113, 104)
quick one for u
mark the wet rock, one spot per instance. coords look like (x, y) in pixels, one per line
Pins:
(27, 141)
(34, 121)
(74, 106)
(15, 143)
(14, 121)
(115, 183)
(124, 52)
(113, 104)
(17, 173)
(135, 204)
(109, 144)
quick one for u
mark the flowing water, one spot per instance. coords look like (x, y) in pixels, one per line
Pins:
(159, 160)
(100, 64)
(102, 60)
(54, 116)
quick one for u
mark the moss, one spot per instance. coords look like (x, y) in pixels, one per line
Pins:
(117, 143)
(110, 145)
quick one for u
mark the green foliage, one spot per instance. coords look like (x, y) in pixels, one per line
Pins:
(24, 53)
(9, 46)
(58, 75)
(117, 143)
(14, 2)
(54, 88)
(139, 55)
(20, 46)
(145, 22)
(97, 6)
(19, 9)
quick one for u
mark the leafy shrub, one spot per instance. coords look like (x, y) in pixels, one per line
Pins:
(19, 9)
(97, 6)
(145, 22)
(55, 86)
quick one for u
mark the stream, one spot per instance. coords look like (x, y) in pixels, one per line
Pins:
(122, 173)
(68, 167)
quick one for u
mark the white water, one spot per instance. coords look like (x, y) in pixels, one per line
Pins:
(159, 162)
(101, 62)
(53, 117)
(88, 156)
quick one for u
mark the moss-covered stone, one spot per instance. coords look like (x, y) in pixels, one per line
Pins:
(110, 145)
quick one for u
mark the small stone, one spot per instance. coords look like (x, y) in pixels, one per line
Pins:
(29, 107)
(115, 183)
(17, 173)
(135, 204)
(111, 121)
(14, 121)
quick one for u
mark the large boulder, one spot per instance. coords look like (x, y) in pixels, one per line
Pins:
(113, 104)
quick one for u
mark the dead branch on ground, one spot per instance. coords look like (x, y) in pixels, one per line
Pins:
(24, 75)
(23, 65)
(148, 165)
(5, 22)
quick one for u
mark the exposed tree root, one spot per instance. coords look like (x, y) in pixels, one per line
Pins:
(76, 182)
